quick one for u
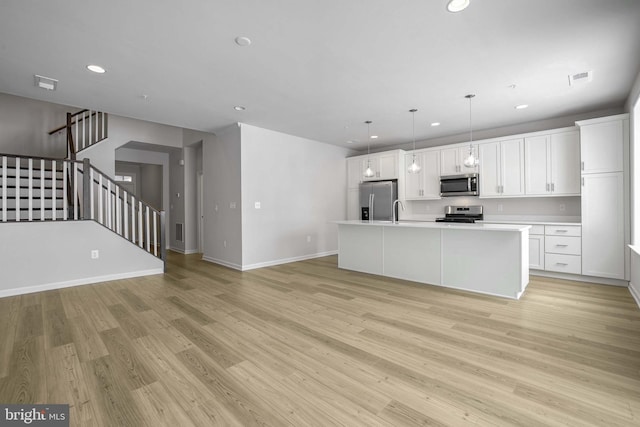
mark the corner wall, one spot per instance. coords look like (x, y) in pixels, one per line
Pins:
(300, 185)
(222, 198)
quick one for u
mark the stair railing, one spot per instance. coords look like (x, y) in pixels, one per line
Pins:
(35, 189)
(84, 129)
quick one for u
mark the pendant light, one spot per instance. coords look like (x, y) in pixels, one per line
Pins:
(471, 161)
(368, 173)
(414, 167)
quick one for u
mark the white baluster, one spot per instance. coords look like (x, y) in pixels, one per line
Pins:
(41, 189)
(84, 121)
(104, 126)
(91, 194)
(65, 201)
(133, 219)
(140, 224)
(4, 188)
(90, 130)
(118, 212)
(75, 137)
(30, 189)
(148, 227)
(100, 201)
(54, 187)
(109, 205)
(155, 233)
(18, 191)
(75, 173)
(125, 211)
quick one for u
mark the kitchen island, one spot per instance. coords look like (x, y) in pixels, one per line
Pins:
(491, 259)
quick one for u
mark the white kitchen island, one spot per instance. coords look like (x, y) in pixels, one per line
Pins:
(491, 259)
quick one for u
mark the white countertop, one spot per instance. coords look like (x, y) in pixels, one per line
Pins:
(528, 222)
(441, 225)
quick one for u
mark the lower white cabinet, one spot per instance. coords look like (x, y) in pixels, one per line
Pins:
(536, 247)
(353, 203)
(603, 240)
(563, 248)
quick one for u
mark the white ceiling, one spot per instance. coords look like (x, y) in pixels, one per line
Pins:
(320, 68)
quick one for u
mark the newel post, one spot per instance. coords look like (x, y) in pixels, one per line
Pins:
(86, 189)
(163, 239)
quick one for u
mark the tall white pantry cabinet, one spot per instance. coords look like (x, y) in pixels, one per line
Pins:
(604, 154)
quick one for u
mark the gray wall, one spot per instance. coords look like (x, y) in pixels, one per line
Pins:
(151, 185)
(301, 187)
(221, 167)
(25, 124)
(63, 253)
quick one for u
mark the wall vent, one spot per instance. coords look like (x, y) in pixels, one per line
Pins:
(179, 234)
(579, 78)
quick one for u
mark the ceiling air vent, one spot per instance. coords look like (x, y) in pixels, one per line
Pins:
(579, 78)
(45, 82)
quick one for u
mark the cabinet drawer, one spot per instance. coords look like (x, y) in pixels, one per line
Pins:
(537, 230)
(562, 230)
(563, 263)
(563, 245)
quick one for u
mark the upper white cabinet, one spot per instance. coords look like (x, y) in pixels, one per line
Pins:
(425, 184)
(384, 165)
(601, 144)
(502, 168)
(354, 172)
(552, 165)
(451, 160)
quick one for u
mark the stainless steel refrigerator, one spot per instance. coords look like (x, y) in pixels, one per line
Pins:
(376, 200)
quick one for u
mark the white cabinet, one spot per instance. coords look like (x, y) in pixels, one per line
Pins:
(451, 160)
(425, 184)
(353, 203)
(502, 168)
(354, 172)
(601, 146)
(563, 248)
(384, 165)
(604, 146)
(603, 244)
(552, 165)
(536, 247)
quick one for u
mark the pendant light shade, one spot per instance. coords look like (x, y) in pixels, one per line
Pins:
(368, 172)
(414, 167)
(471, 161)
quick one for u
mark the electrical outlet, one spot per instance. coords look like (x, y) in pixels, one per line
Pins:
(95, 254)
(215, 208)
(232, 205)
(499, 207)
(563, 207)
(308, 239)
(257, 205)
(225, 243)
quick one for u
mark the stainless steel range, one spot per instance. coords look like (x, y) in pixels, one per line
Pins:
(465, 214)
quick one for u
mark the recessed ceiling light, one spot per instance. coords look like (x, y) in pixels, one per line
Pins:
(434, 124)
(521, 106)
(45, 82)
(239, 108)
(243, 41)
(457, 5)
(374, 136)
(96, 69)
(349, 142)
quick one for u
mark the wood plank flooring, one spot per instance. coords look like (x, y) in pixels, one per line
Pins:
(306, 344)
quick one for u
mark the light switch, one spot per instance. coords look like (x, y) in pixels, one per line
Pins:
(257, 205)
(232, 205)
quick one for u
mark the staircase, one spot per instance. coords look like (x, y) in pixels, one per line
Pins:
(46, 189)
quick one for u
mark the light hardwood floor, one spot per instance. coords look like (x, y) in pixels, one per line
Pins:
(308, 344)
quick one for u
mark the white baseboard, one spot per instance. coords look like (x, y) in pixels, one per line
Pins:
(268, 263)
(183, 251)
(287, 260)
(222, 262)
(634, 293)
(580, 278)
(78, 282)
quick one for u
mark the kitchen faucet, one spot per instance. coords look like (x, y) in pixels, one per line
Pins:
(394, 209)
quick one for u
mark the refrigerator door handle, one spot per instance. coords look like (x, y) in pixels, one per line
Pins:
(371, 204)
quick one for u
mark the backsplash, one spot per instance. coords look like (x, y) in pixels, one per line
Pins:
(565, 209)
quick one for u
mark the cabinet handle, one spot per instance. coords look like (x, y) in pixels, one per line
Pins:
(553, 187)
(561, 263)
(547, 186)
(583, 181)
(562, 246)
(582, 165)
(562, 231)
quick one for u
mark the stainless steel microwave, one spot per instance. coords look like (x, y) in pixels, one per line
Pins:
(460, 185)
